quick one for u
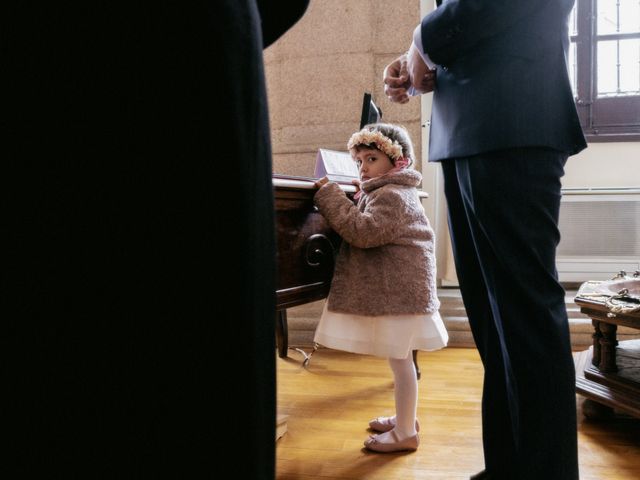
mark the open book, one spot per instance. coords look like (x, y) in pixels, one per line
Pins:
(337, 166)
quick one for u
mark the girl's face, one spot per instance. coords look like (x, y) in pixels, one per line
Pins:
(372, 163)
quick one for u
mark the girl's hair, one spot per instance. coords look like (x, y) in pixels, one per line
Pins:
(392, 140)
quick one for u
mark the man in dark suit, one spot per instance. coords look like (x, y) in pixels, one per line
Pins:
(503, 123)
(142, 171)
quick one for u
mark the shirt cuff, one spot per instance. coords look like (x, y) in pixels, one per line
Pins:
(417, 41)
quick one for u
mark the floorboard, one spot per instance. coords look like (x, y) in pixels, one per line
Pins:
(330, 402)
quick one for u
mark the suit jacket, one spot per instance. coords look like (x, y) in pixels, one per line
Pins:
(502, 78)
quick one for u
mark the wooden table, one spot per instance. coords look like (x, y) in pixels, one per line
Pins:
(306, 252)
(608, 373)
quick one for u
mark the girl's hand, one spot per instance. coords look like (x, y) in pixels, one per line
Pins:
(321, 182)
(356, 196)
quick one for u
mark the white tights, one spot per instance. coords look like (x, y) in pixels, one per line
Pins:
(406, 395)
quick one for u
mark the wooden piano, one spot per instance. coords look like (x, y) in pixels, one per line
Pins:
(306, 250)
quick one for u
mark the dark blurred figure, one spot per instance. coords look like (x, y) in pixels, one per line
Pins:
(138, 282)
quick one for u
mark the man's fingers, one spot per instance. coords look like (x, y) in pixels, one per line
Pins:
(404, 71)
(396, 77)
(393, 92)
(396, 74)
(396, 82)
(399, 97)
(428, 83)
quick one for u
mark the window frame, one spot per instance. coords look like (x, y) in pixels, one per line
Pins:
(604, 119)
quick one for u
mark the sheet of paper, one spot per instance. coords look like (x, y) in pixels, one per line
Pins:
(338, 166)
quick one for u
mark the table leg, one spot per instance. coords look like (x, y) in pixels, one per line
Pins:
(596, 411)
(608, 344)
(597, 335)
(282, 333)
(415, 362)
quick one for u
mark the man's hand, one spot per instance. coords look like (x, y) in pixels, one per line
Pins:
(421, 77)
(396, 80)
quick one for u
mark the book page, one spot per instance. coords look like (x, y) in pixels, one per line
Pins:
(337, 166)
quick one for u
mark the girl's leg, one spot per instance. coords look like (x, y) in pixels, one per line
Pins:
(406, 398)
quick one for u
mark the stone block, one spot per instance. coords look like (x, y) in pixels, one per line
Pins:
(299, 164)
(394, 24)
(309, 138)
(318, 90)
(328, 26)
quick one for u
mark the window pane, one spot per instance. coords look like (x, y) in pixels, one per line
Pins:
(607, 67)
(573, 21)
(630, 66)
(573, 68)
(629, 16)
(619, 67)
(618, 16)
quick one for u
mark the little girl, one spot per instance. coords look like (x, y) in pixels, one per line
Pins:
(383, 298)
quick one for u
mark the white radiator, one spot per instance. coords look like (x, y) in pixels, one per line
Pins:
(600, 233)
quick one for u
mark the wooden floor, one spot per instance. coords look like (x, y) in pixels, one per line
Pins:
(331, 400)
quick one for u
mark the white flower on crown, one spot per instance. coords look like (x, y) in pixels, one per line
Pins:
(389, 147)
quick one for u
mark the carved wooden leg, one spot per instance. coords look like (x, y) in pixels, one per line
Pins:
(597, 335)
(608, 344)
(415, 362)
(282, 333)
(596, 411)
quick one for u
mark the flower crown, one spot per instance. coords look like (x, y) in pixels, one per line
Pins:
(383, 143)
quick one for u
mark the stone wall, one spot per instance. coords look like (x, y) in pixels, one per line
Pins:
(319, 70)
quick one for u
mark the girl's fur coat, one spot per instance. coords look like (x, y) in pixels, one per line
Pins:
(386, 263)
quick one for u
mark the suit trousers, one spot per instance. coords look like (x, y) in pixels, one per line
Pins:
(503, 218)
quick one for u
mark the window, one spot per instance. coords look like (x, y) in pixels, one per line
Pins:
(604, 60)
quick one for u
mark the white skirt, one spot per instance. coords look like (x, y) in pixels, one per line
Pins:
(391, 336)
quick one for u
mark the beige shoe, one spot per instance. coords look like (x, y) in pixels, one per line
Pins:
(408, 444)
(384, 424)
